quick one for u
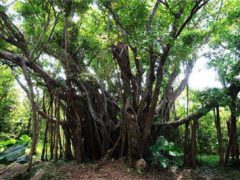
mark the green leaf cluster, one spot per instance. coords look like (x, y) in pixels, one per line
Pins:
(24, 139)
(165, 154)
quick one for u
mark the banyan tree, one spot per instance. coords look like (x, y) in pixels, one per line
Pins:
(104, 70)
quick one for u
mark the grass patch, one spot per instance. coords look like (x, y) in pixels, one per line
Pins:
(208, 160)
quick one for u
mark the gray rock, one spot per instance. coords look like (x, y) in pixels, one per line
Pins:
(140, 164)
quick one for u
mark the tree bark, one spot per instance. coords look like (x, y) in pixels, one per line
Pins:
(232, 148)
(57, 104)
(34, 113)
(44, 150)
(130, 100)
(192, 158)
(219, 135)
(186, 144)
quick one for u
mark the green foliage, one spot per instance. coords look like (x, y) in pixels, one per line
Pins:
(24, 139)
(12, 153)
(224, 52)
(20, 118)
(165, 154)
(193, 37)
(7, 143)
(8, 98)
(214, 95)
(206, 135)
(209, 160)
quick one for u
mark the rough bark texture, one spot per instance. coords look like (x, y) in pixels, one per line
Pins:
(130, 100)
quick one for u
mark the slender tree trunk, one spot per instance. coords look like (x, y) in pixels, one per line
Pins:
(34, 113)
(60, 145)
(44, 150)
(229, 142)
(219, 136)
(57, 128)
(68, 150)
(51, 130)
(186, 144)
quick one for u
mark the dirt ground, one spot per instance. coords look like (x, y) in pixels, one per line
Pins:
(110, 170)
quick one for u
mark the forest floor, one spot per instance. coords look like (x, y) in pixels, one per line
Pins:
(112, 170)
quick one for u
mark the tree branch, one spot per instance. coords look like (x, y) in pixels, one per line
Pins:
(150, 19)
(194, 10)
(16, 59)
(194, 116)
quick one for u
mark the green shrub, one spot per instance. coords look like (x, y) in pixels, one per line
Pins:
(165, 154)
(12, 149)
(24, 139)
(209, 160)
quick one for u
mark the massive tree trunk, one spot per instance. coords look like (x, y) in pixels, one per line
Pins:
(149, 98)
(130, 98)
